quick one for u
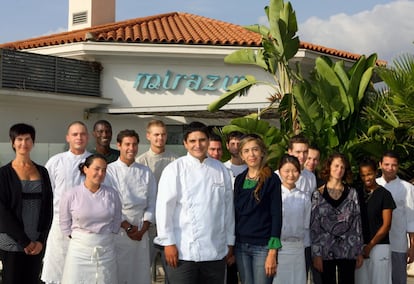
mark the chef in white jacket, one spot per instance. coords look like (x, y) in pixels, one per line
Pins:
(64, 175)
(137, 190)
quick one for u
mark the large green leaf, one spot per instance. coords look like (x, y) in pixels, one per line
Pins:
(333, 94)
(233, 91)
(247, 56)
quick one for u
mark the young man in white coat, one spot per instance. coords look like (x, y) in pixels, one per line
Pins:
(137, 189)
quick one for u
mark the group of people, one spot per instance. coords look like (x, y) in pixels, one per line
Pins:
(102, 216)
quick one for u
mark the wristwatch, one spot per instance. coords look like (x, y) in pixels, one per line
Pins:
(129, 228)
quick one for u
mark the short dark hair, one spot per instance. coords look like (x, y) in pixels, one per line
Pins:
(297, 139)
(195, 126)
(214, 137)
(368, 162)
(102, 121)
(89, 160)
(314, 147)
(234, 135)
(390, 154)
(20, 129)
(126, 133)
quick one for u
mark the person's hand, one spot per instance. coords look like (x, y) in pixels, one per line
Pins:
(136, 234)
(230, 258)
(366, 250)
(271, 263)
(359, 261)
(171, 255)
(33, 248)
(318, 263)
(410, 255)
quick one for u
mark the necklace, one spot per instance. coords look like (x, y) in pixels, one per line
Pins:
(335, 193)
(251, 178)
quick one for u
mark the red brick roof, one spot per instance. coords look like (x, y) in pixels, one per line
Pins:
(171, 28)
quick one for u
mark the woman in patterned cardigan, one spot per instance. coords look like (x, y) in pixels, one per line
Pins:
(336, 232)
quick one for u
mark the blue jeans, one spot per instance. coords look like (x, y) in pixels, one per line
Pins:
(250, 261)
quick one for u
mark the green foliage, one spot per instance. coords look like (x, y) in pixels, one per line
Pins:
(279, 44)
(338, 108)
(390, 114)
(329, 105)
(271, 135)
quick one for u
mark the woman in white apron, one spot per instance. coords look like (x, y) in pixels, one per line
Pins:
(90, 215)
(296, 207)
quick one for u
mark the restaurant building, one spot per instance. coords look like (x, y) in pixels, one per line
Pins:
(168, 66)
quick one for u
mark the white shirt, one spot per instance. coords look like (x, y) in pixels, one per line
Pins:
(235, 169)
(296, 208)
(137, 190)
(156, 162)
(306, 182)
(403, 215)
(64, 174)
(195, 209)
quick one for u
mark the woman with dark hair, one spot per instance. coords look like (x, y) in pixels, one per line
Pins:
(376, 207)
(296, 219)
(336, 232)
(25, 210)
(258, 211)
(90, 215)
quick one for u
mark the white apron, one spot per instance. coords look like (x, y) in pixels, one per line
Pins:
(90, 259)
(291, 268)
(133, 259)
(376, 268)
(54, 259)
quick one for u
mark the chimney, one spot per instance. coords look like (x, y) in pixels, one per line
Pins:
(89, 13)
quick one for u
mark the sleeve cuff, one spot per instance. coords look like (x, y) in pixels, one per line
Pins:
(274, 243)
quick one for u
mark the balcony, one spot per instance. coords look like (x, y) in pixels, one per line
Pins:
(36, 72)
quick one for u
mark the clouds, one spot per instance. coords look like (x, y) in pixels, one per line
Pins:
(387, 30)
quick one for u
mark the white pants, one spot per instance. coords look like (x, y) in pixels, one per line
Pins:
(376, 268)
(54, 259)
(90, 259)
(291, 268)
(133, 259)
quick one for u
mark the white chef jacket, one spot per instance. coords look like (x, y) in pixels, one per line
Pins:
(403, 215)
(195, 209)
(64, 174)
(137, 190)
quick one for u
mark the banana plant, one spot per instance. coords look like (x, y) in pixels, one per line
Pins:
(330, 104)
(273, 137)
(391, 114)
(279, 44)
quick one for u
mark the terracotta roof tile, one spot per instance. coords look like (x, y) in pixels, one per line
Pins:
(171, 28)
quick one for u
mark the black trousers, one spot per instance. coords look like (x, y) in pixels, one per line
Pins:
(232, 274)
(203, 272)
(19, 267)
(346, 271)
(316, 275)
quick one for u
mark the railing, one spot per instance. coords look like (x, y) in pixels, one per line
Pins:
(30, 71)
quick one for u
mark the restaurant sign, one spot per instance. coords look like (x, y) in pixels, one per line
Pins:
(194, 82)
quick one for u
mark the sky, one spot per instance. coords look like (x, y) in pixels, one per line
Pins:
(385, 27)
